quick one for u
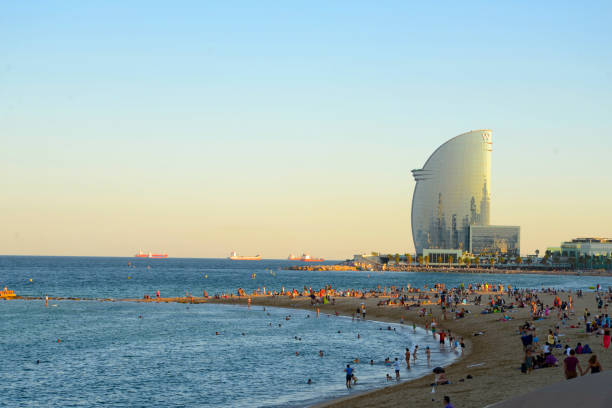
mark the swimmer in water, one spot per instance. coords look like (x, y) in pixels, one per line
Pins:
(320, 353)
(428, 353)
(309, 381)
(371, 362)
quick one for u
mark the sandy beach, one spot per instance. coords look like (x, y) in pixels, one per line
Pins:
(492, 359)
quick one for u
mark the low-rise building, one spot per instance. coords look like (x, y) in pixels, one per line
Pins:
(437, 256)
(587, 247)
(495, 240)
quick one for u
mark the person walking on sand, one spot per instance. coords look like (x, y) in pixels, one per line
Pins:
(349, 375)
(396, 366)
(606, 339)
(594, 366)
(571, 365)
(447, 403)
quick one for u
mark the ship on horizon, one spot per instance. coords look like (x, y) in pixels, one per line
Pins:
(304, 258)
(235, 257)
(141, 254)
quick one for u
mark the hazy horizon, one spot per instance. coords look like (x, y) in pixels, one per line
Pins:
(272, 128)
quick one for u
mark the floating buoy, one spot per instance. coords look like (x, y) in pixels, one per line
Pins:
(59, 341)
(205, 276)
(129, 277)
(31, 280)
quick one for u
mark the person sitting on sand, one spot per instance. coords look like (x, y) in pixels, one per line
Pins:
(441, 379)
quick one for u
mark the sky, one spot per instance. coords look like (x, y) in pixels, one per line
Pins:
(274, 127)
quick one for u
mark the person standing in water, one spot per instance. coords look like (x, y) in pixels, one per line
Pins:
(46, 300)
(414, 353)
(428, 353)
(407, 358)
(349, 375)
(396, 366)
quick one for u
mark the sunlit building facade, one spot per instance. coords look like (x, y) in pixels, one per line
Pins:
(495, 240)
(452, 192)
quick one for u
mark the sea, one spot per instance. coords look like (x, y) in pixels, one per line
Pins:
(125, 354)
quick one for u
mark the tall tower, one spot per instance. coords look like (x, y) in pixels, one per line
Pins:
(459, 172)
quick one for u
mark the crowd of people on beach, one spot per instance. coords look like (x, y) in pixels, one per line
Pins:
(541, 354)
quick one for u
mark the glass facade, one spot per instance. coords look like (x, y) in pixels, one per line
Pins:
(495, 240)
(452, 192)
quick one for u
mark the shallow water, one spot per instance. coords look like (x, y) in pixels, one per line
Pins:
(172, 357)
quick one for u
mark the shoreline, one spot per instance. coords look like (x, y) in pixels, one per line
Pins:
(491, 359)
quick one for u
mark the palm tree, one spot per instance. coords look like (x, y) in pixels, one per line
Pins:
(421, 260)
(519, 260)
(450, 260)
(468, 261)
(408, 259)
(492, 262)
(426, 260)
(477, 261)
(397, 259)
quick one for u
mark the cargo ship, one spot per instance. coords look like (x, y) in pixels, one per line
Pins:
(235, 257)
(304, 258)
(141, 254)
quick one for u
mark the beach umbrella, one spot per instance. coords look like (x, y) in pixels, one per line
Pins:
(438, 370)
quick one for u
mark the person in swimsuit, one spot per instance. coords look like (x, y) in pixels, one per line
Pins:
(396, 366)
(594, 366)
(408, 358)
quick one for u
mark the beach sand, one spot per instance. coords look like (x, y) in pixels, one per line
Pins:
(498, 353)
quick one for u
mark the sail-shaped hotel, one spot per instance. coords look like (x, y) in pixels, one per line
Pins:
(452, 192)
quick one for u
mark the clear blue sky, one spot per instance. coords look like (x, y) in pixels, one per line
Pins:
(274, 127)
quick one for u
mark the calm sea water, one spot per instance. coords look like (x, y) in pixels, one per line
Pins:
(130, 354)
